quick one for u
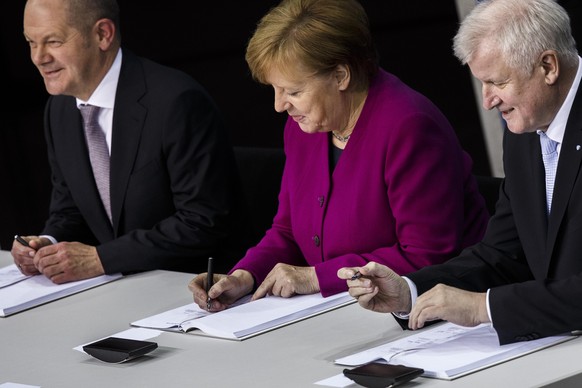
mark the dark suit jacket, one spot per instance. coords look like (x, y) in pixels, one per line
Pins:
(532, 264)
(174, 183)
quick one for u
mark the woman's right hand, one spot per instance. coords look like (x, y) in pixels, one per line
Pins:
(226, 290)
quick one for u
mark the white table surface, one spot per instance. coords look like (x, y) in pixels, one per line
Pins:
(36, 346)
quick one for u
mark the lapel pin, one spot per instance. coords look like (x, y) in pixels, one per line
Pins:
(577, 147)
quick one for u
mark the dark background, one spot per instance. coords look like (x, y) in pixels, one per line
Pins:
(413, 38)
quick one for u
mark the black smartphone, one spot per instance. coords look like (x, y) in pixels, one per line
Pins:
(116, 350)
(379, 375)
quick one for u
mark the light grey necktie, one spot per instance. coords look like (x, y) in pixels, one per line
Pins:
(550, 158)
(98, 153)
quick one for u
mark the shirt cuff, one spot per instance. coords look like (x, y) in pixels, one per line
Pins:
(413, 296)
(51, 238)
(488, 308)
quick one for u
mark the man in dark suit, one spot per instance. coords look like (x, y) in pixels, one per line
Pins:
(170, 197)
(526, 275)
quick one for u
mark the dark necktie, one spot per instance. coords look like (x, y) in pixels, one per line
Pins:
(550, 158)
(98, 153)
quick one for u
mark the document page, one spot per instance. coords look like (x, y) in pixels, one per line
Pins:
(246, 319)
(38, 289)
(178, 319)
(10, 275)
(447, 351)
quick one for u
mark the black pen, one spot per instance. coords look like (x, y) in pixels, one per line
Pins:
(357, 275)
(21, 241)
(209, 282)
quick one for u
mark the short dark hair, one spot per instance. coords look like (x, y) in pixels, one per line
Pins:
(84, 13)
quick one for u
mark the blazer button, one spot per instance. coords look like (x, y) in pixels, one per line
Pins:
(320, 199)
(316, 240)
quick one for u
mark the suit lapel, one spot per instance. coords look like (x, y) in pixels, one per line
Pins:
(567, 172)
(128, 121)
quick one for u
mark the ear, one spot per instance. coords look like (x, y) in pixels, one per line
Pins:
(342, 75)
(105, 29)
(550, 66)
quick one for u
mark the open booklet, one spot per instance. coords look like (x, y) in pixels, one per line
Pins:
(246, 319)
(448, 351)
(19, 292)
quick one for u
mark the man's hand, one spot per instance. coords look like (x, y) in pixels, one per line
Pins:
(68, 261)
(451, 304)
(378, 288)
(23, 255)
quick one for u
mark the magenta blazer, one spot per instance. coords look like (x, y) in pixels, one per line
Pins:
(402, 193)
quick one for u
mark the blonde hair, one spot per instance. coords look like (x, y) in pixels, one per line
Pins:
(314, 36)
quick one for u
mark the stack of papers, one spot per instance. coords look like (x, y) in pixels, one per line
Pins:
(19, 292)
(246, 319)
(447, 351)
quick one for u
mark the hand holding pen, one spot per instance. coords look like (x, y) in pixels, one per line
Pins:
(21, 241)
(209, 282)
(227, 289)
(23, 258)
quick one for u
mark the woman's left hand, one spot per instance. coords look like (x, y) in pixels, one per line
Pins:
(287, 280)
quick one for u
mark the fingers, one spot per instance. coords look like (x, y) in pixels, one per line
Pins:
(28, 269)
(440, 302)
(357, 284)
(347, 272)
(21, 263)
(428, 306)
(198, 288)
(46, 258)
(455, 305)
(286, 280)
(21, 252)
(371, 269)
(195, 285)
(224, 292)
(265, 288)
(420, 315)
(366, 297)
(272, 283)
(24, 258)
(359, 288)
(68, 261)
(374, 269)
(38, 242)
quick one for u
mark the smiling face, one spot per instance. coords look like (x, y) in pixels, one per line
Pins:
(316, 102)
(527, 102)
(69, 63)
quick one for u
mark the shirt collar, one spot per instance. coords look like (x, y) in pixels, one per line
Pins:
(104, 94)
(557, 127)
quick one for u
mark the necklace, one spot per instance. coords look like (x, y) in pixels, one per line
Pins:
(343, 139)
